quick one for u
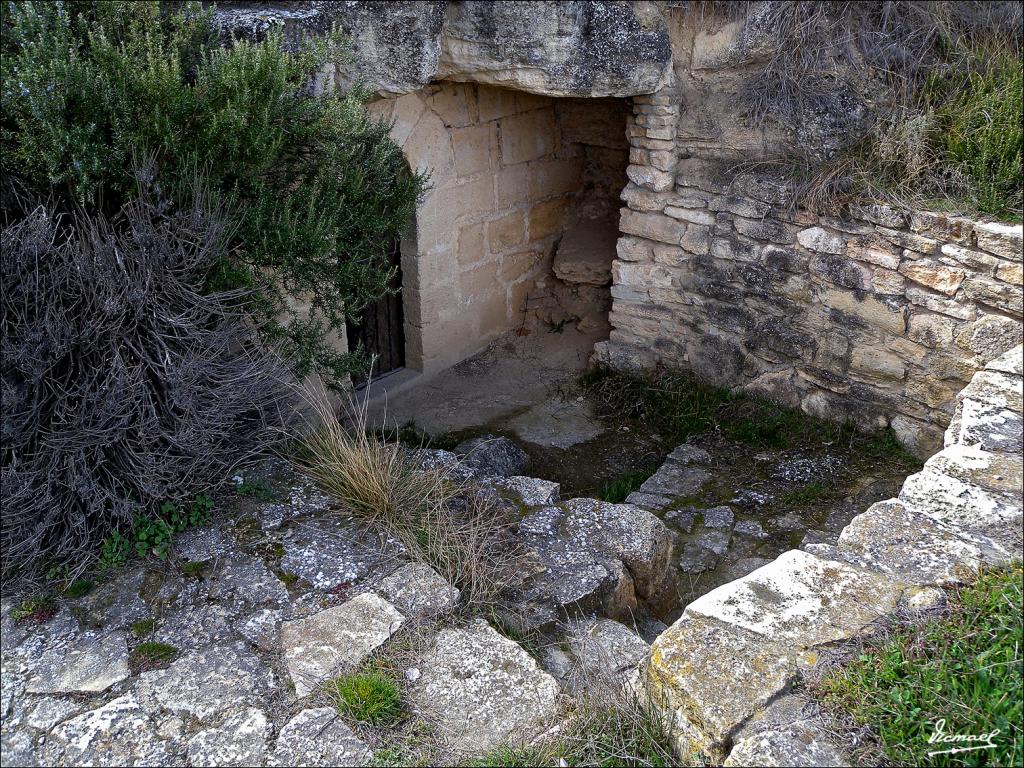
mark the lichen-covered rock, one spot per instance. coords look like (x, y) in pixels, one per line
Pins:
(710, 677)
(206, 683)
(120, 732)
(915, 549)
(50, 711)
(675, 479)
(262, 629)
(492, 456)
(785, 735)
(418, 591)
(244, 581)
(531, 491)
(801, 600)
(91, 663)
(316, 647)
(608, 655)
(318, 737)
(241, 740)
(330, 551)
(481, 689)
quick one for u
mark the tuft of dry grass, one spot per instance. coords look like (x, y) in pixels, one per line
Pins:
(462, 530)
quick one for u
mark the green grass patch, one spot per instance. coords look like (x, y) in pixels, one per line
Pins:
(367, 697)
(618, 489)
(964, 667)
(678, 405)
(192, 567)
(143, 627)
(804, 495)
(287, 577)
(151, 655)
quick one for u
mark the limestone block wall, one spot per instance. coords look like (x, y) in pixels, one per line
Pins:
(509, 172)
(881, 317)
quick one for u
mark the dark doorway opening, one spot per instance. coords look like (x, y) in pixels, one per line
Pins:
(380, 332)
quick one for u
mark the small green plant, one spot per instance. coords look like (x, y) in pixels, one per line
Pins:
(805, 494)
(287, 577)
(367, 697)
(143, 627)
(79, 588)
(153, 535)
(35, 609)
(618, 489)
(193, 567)
(260, 490)
(964, 667)
(152, 655)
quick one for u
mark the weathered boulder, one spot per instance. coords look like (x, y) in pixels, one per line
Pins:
(315, 648)
(785, 734)
(530, 491)
(608, 655)
(492, 456)
(318, 737)
(239, 741)
(418, 591)
(482, 689)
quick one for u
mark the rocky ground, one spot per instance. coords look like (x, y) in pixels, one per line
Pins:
(256, 611)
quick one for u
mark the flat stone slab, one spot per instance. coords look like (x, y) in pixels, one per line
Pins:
(90, 664)
(585, 253)
(241, 740)
(318, 737)
(244, 581)
(329, 551)
(893, 538)
(206, 683)
(417, 590)
(120, 732)
(674, 479)
(718, 517)
(483, 690)
(317, 646)
(966, 507)
(797, 745)
(557, 424)
(801, 600)
(712, 677)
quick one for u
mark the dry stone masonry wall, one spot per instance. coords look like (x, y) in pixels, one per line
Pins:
(723, 670)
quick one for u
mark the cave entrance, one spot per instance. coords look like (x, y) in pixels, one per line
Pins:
(520, 221)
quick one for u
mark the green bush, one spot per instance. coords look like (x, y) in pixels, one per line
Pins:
(982, 136)
(317, 189)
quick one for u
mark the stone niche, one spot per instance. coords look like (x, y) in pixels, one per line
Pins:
(512, 175)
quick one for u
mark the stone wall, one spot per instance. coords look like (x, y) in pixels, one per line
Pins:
(879, 316)
(509, 172)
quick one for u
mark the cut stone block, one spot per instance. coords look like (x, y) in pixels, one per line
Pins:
(417, 590)
(966, 507)
(532, 491)
(915, 549)
(315, 648)
(711, 677)
(585, 253)
(120, 732)
(674, 479)
(483, 690)
(318, 737)
(609, 655)
(90, 664)
(240, 740)
(801, 600)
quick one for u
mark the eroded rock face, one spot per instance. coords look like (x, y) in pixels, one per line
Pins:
(240, 740)
(557, 49)
(481, 688)
(318, 737)
(118, 733)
